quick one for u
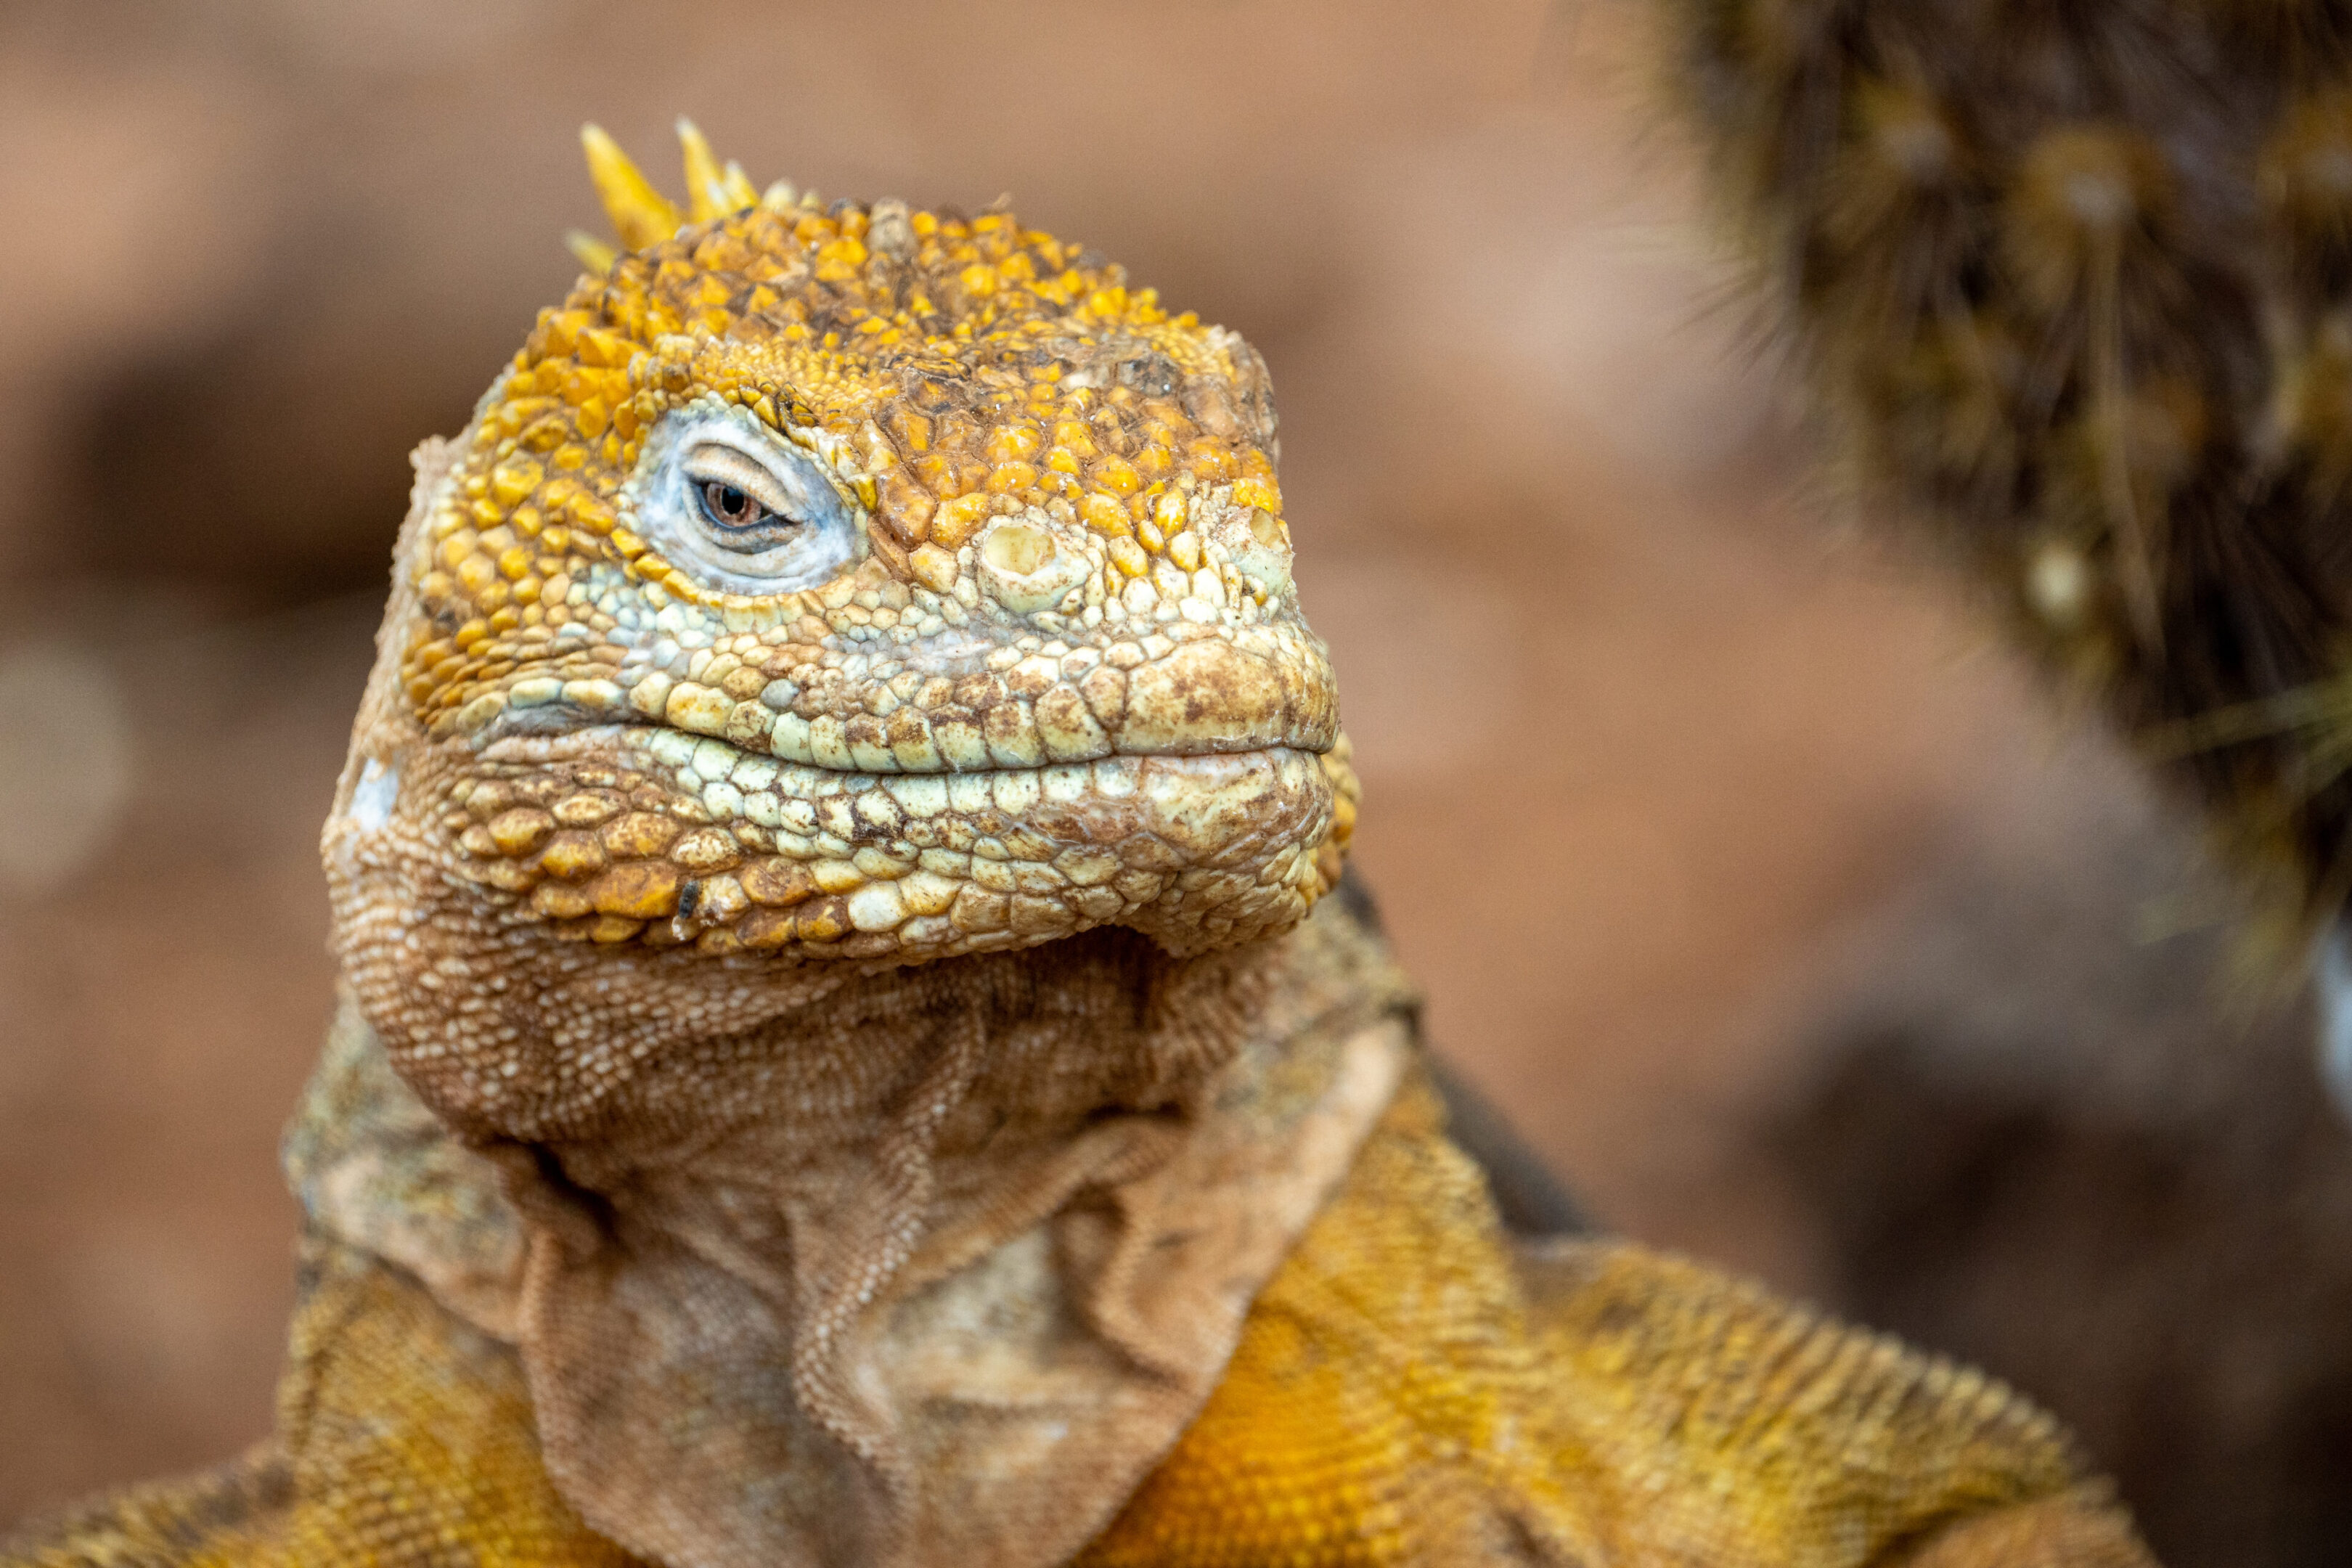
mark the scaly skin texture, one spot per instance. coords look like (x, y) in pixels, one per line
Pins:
(844, 1062)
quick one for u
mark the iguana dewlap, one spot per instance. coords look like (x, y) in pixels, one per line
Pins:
(839, 1066)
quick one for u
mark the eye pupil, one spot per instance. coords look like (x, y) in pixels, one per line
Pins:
(731, 505)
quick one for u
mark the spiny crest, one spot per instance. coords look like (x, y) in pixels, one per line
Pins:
(642, 216)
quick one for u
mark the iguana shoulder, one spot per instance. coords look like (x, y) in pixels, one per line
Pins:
(1414, 1388)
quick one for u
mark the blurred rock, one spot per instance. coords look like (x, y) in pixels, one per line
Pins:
(65, 763)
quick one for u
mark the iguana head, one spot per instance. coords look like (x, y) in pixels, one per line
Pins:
(842, 583)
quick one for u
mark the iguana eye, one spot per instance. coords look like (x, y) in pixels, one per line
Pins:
(743, 508)
(740, 509)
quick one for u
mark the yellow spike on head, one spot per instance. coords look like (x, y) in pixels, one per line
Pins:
(706, 186)
(740, 192)
(641, 215)
(595, 256)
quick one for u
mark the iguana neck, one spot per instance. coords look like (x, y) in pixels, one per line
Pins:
(891, 1107)
(946, 1255)
(745, 1209)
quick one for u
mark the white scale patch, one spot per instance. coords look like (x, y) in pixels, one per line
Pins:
(372, 797)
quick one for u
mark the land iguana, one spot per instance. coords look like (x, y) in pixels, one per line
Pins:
(856, 1044)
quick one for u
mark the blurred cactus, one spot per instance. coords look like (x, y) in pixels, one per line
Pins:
(2075, 282)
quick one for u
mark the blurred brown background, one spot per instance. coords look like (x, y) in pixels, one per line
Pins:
(1762, 890)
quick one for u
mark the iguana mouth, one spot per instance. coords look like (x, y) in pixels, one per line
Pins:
(1159, 695)
(627, 832)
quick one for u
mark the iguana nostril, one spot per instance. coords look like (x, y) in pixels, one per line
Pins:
(1026, 569)
(1266, 559)
(1019, 550)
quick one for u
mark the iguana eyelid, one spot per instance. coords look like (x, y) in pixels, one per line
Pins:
(822, 532)
(709, 463)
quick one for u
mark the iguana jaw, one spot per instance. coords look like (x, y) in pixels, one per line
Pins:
(742, 852)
